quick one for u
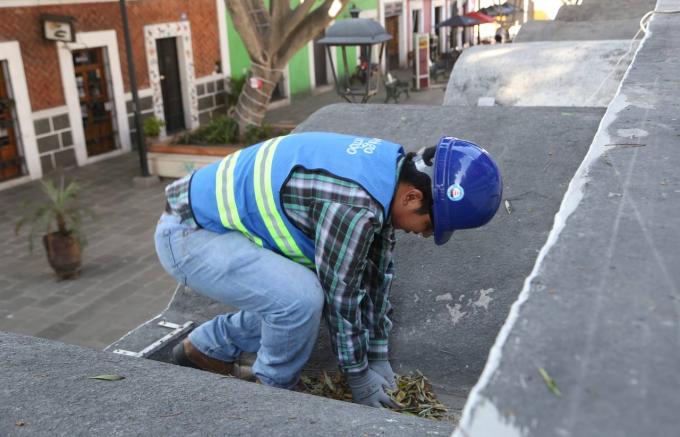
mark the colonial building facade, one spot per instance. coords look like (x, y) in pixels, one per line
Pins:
(64, 87)
(65, 103)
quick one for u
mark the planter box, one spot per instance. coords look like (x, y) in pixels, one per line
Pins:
(178, 161)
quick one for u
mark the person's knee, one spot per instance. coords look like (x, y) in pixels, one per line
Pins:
(310, 304)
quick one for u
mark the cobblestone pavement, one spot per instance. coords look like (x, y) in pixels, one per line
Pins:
(122, 284)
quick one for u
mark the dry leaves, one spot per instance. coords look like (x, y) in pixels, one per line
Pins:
(414, 393)
(331, 385)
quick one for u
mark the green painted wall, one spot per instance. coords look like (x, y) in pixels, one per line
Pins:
(239, 61)
(298, 70)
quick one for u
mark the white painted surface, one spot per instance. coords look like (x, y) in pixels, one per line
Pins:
(181, 31)
(311, 62)
(210, 78)
(50, 112)
(10, 52)
(146, 92)
(84, 40)
(224, 37)
(632, 133)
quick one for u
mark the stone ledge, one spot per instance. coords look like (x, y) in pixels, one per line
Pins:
(45, 385)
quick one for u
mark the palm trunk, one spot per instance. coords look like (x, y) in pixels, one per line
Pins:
(252, 103)
(61, 224)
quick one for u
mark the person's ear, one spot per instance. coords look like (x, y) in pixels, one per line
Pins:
(413, 195)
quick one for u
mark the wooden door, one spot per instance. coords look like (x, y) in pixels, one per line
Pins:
(10, 161)
(392, 27)
(171, 84)
(95, 102)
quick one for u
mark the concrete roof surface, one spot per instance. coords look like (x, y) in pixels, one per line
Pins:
(584, 260)
(450, 301)
(533, 31)
(604, 10)
(45, 385)
(554, 73)
(600, 312)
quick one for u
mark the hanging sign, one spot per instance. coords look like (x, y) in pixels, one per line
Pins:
(58, 28)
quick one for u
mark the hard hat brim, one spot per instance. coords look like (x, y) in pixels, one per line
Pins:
(441, 238)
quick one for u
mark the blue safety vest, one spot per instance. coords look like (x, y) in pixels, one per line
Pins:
(242, 191)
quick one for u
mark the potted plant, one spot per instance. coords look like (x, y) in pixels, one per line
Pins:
(152, 128)
(64, 243)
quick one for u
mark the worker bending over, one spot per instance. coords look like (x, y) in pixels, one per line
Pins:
(303, 224)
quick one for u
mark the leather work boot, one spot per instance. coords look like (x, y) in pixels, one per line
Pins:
(185, 354)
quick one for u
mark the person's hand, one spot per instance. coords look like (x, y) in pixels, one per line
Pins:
(384, 369)
(369, 390)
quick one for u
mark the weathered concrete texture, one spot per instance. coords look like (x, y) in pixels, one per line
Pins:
(602, 311)
(45, 391)
(533, 31)
(450, 301)
(563, 73)
(604, 10)
(593, 20)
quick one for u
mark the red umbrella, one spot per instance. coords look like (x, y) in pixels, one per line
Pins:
(482, 18)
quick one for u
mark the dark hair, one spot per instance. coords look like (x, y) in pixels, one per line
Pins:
(421, 181)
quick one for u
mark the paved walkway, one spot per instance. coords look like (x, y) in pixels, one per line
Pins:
(122, 284)
(303, 106)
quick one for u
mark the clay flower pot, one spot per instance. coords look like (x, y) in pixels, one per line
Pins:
(63, 254)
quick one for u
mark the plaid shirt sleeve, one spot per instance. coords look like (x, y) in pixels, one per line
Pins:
(378, 277)
(352, 258)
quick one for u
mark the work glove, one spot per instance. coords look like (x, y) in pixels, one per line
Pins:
(384, 369)
(369, 390)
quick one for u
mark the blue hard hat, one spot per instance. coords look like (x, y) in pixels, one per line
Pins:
(466, 187)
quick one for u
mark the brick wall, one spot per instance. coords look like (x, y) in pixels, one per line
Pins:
(40, 56)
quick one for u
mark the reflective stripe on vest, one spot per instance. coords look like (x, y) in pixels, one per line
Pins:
(264, 195)
(224, 191)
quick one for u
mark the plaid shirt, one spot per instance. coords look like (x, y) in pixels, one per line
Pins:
(353, 257)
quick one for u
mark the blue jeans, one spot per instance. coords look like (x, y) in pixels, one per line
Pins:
(280, 301)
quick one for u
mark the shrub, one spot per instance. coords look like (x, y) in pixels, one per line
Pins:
(254, 134)
(220, 130)
(59, 211)
(152, 127)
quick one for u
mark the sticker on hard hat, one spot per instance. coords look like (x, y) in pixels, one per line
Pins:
(455, 192)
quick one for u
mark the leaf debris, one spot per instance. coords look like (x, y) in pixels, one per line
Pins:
(414, 393)
(549, 382)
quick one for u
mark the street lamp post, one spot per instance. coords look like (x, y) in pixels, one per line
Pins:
(365, 34)
(141, 144)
